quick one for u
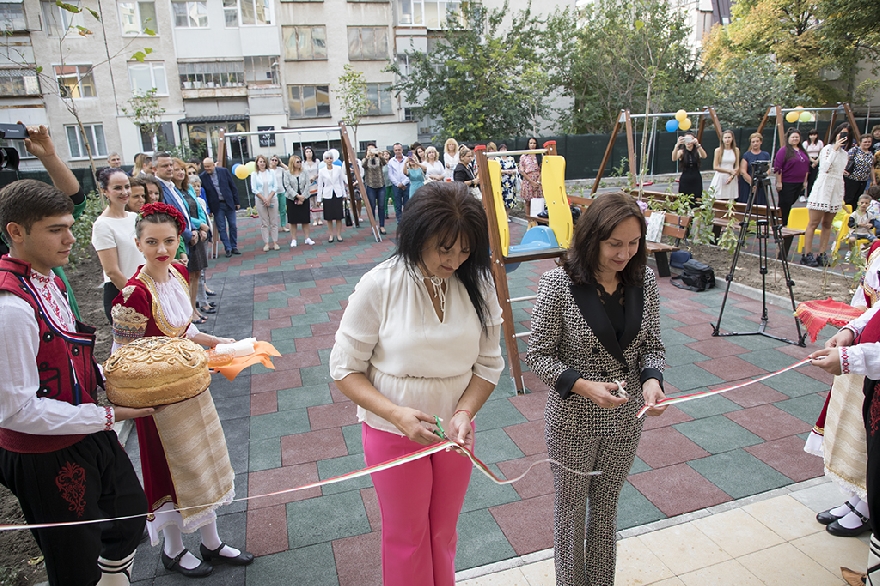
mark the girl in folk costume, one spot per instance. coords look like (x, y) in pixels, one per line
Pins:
(186, 464)
(839, 434)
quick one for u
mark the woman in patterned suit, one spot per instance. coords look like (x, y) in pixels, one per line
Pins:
(596, 321)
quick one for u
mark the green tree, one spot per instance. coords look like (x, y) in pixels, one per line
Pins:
(352, 94)
(614, 54)
(479, 81)
(146, 113)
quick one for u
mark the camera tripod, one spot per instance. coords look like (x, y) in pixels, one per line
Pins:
(766, 224)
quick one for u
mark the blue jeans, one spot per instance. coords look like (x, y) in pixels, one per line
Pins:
(225, 214)
(374, 195)
(401, 196)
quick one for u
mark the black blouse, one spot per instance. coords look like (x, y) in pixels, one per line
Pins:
(462, 173)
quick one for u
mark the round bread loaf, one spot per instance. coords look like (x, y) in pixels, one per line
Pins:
(156, 371)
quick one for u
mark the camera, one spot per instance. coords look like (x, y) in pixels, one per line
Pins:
(844, 135)
(759, 170)
(8, 155)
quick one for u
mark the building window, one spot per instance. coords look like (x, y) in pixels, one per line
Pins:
(56, 20)
(164, 137)
(247, 12)
(75, 81)
(379, 95)
(211, 74)
(261, 70)
(12, 16)
(137, 17)
(367, 43)
(18, 145)
(431, 14)
(309, 101)
(410, 115)
(190, 14)
(146, 76)
(304, 43)
(19, 82)
(95, 136)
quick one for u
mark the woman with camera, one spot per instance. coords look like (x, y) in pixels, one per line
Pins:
(746, 168)
(826, 198)
(689, 152)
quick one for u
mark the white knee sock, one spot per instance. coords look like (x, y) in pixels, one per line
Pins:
(115, 572)
(211, 540)
(174, 545)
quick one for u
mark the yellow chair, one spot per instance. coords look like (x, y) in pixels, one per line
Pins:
(494, 166)
(798, 219)
(555, 198)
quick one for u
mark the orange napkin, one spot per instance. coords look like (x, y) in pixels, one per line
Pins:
(262, 353)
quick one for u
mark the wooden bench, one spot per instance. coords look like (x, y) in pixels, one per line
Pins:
(674, 226)
(722, 220)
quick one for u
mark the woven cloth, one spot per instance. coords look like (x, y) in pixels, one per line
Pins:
(195, 449)
(845, 446)
(815, 315)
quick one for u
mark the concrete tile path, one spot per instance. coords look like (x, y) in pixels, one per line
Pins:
(291, 426)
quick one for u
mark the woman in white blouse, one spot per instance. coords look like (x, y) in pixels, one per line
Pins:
(331, 191)
(421, 338)
(265, 187)
(434, 170)
(450, 156)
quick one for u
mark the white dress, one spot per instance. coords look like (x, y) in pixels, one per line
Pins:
(827, 194)
(720, 187)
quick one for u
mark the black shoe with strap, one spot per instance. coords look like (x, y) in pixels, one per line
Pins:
(839, 530)
(214, 556)
(173, 565)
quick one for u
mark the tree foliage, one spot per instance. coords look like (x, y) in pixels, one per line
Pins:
(479, 80)
(352, 93)
(606, 55)
(146, 113)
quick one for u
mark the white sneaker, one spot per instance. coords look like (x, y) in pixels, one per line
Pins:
(310, 242)
(802, 198)
(266, 248)
(293, 243)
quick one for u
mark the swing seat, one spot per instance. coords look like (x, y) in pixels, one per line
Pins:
(537, 238)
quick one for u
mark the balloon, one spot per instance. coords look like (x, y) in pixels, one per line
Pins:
(792, 117)
(671, 125)
(242, 172)
(685, 124)
(251, 167)
(234, 167)
(805, 117)
(681, 115)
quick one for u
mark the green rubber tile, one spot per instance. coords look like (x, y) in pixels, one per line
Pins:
(264, 454)
(794, 384)
(323, 307)
(337, 297)
(300, 331)
(302, 397)
(667, 323)
(708, 407)
(308, 319)
(339, 466)
(281, 296)
(352, 436)
(494, 445)
(731, 323)
(715, 296)
(324, 355)
(271, 304)
(315, 375)
(769, 359)
(671, 337)
(285, 346)
(679, 355)
(751, 342)
(260, 369)
(717, 434)
(495, 414)
(480, 541)
(639, 466)
(633, 509)
(505, 388)
(261, 314)
(313, 565)
(805, 408)
(325, 518)
(739, 473)
(665, 310)
(729, 311)
(279, 423)
(689, 376)
(483, 493)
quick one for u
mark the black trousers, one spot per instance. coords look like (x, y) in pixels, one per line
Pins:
(110, 293)
(92, 479)
(787, 196)
(852, 189)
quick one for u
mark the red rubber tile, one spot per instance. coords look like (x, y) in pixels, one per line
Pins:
(298, 359)
(358, 559)
(769, 422)
(529, 437)
(324, 329)
(731, 368)
(527, 524)
(539, 480)
(268, 481)
(262, 403)
(371, 504)
(754, 395)
(787, 455)
(678, 489)
(316, 342)
(533, 383)
(267, 530)
(671, 416)
(713, 347)
(336, 394)
(270, 288)
(665, 446)
(279, 312)
(698, 332)
(333, 415)
(312, 446)
(276, 381)
(692, 318)
(531, 405)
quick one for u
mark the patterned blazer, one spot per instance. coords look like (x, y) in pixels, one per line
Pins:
(572, 337)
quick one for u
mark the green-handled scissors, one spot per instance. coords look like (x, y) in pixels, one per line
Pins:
(439, 431)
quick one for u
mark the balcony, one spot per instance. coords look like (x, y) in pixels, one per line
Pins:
(200, 91)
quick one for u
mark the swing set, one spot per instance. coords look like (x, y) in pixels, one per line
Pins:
(349, 164)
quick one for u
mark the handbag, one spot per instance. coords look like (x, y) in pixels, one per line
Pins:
(347, 215)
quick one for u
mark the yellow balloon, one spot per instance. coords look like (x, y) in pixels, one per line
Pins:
(242, 172)
(792, 117)
(680, 116)
(684, 124)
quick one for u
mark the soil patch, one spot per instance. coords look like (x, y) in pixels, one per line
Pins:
(20, 558)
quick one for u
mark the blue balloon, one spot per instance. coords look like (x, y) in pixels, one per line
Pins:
(671, 125)
(234, 167)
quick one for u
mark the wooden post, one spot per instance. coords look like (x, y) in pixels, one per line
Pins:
(221, 147)
(607, 155)
(715, 122)
(349, 161)
(780, 126)
(630, 144)
(764, 120)
(853, 127)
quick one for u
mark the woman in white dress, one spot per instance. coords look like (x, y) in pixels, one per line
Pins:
(450, 156)
(724, 185)
(826, 198)
(310, 164)
(434, 170)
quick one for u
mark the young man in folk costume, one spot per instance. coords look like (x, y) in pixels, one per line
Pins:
(58, 452)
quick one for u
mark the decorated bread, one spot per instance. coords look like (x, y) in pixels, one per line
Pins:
(156, 371)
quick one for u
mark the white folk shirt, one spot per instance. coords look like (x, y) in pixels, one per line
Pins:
(391, 333)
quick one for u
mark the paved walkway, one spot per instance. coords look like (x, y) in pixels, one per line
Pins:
(292, 426)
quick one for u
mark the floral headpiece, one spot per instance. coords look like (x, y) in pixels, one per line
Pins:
(163, 208)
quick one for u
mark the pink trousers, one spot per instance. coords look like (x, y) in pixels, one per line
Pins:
(420, 503)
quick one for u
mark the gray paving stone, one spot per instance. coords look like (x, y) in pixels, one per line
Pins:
(480, 541)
